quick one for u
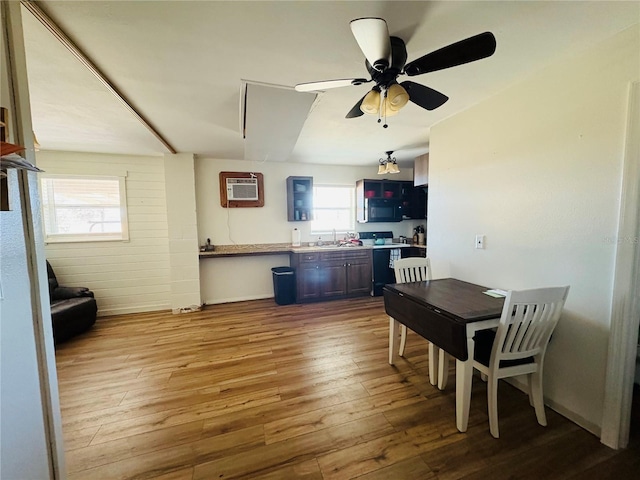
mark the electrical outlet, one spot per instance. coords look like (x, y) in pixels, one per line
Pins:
(480, 241)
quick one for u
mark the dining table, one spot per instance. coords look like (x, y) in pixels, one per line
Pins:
(446, 312)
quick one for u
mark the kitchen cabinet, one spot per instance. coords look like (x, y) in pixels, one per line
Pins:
(332, 274)
(379, 188)
(299, 199)
(307, 276)
(412, 199)
(421, 170)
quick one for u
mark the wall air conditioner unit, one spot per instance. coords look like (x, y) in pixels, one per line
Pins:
(242, 189)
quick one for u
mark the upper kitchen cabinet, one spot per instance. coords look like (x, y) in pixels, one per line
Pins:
(299, 198)
(421, 170)
(388, 201)
(379, 188)
(414, 202)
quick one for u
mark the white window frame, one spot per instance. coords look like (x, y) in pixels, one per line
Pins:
(352, 209)
(123, 235)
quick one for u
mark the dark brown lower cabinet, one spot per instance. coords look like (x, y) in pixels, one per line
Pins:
(332, 274)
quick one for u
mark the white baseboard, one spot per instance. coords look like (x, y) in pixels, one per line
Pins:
(561, 409)
(237, 299)
(105, 312)
(189, 309)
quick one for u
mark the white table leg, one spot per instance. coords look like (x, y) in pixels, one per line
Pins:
(394, 340)
(403, 339)
(464, 373)
(464, 376)
(433, 363)
(443, 369)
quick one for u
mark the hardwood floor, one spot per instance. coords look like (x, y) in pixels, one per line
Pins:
(259, 391)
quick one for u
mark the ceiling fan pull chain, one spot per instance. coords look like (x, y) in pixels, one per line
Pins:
(385, 105)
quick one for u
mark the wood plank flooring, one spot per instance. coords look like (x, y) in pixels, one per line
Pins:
(254, 390)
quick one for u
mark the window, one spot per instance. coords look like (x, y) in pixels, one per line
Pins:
(333, 208)
(83, 208)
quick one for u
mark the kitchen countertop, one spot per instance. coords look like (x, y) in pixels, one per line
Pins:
(282, 248)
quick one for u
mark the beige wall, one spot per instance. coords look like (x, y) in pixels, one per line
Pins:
(126, 276)
(244, 278)
(537, 169)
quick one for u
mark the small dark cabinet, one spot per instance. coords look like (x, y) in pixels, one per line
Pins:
(299, 199)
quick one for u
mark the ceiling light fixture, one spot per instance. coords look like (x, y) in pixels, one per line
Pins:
(371, 102)
(388, 165)
(397, 97)
(384, 102)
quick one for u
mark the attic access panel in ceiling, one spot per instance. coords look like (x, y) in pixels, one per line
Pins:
(272, 118)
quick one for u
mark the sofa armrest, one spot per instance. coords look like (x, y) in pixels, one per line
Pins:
(62, 293)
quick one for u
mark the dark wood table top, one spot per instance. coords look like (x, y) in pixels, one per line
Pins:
(462, 302)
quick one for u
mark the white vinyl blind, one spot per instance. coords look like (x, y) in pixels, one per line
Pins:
(83, 209)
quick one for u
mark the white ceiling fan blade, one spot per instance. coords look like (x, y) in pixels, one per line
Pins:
(326, 84)
(372, 36)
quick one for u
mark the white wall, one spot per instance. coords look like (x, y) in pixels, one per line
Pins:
(183, 232)
(23, 448)
(126, 276)
(537, 169)
(243, 278)
(30, 422)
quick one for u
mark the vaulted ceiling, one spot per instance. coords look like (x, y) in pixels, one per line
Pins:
(182, 65)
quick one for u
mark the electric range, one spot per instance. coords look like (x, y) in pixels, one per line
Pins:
(382, 254)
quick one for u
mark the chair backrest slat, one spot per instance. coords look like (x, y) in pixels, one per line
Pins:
(414, 269)
(527, 322)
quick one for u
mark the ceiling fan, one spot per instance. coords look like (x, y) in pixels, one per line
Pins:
(386, 58)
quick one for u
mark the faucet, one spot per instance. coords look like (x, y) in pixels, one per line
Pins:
(335, 240)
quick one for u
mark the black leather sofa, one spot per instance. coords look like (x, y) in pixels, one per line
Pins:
(73, 309)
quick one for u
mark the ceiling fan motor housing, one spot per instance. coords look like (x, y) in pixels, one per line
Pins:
(386, 77)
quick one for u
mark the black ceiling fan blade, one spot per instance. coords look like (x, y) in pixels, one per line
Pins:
(424, 97)
(355, 111)
(465, 51)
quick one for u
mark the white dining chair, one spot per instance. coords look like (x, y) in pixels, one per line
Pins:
(416, 269)
(518, 345)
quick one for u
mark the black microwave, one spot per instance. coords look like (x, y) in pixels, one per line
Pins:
(381, 210)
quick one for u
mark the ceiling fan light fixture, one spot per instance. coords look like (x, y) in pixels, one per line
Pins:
(397, 97)
(387, 110)
(371, 102)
